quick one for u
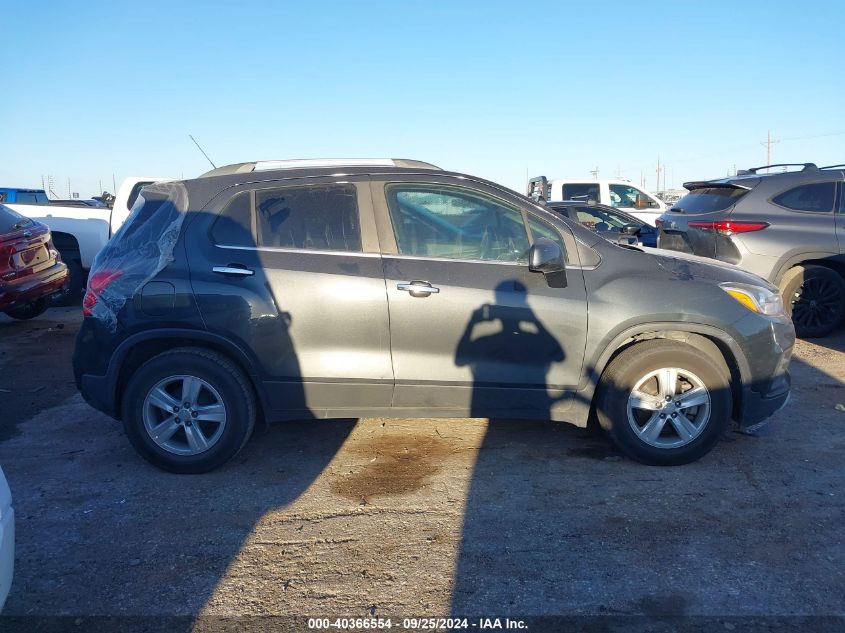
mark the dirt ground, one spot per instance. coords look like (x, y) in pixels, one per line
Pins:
(399, 518)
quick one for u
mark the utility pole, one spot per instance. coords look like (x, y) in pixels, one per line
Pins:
(768, 143)
(595, 172)
(658, 175)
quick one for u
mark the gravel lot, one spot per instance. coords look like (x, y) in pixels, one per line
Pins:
(393, 517)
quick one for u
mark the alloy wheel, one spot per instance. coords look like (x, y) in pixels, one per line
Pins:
(669, 407)
(184, 415)
(815, 303)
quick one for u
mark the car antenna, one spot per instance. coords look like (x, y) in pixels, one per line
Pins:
(202, 150)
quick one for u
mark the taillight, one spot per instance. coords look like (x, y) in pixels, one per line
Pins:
(727, 227)
(97, 282)
(7, 270)
(659, 223)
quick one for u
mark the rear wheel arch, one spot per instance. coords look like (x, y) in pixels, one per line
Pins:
(136, 351)
(68, 247)
(828, 260)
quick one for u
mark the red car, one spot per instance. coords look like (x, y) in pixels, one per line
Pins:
(31, 272)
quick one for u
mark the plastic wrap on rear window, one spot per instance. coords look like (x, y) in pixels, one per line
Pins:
(141, 249)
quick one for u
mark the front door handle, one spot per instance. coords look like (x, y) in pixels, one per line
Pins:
(233, 270)
(418, 288)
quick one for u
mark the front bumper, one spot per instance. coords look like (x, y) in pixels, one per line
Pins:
(48, 283)
(768, 392)
(757, 407)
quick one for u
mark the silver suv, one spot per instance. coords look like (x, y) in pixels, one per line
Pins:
(787, 227)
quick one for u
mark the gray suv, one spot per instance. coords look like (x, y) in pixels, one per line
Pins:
(304, 289)
(788, 228)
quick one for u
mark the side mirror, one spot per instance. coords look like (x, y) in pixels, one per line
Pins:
(548, 257)
(631, 229)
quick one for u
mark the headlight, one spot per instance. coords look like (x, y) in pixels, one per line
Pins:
(755, 298)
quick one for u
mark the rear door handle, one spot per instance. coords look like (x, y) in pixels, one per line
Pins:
(233, 270)
(418, 288)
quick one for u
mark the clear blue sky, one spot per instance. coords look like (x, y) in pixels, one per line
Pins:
(489, 88)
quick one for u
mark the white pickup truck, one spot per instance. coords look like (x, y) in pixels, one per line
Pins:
(79, 232)
(621, 194)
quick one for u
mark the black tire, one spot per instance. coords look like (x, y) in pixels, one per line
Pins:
(637, 361)
(29, 310)
(814, 296)
(77, 278)
(216, 370)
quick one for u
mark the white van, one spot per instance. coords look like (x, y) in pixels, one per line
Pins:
(619, 193)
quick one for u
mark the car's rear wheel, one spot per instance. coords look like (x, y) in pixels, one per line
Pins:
(29, 310)
(664, 402)
(815, 298)
(188, 410)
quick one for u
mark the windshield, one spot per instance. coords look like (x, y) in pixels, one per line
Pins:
(709, 199)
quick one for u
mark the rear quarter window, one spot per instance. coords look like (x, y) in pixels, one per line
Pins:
(709, 199)
(815, 197)
(233, 227)
(136, 190)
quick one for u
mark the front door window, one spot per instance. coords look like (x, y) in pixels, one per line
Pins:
(450, 222)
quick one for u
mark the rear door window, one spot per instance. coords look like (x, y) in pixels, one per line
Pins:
(815, 197)
(583, 191)
(709, 199)
(313, 217)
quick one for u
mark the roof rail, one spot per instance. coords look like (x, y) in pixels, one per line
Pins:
(306, 163)
(754, 170)
(832, 166)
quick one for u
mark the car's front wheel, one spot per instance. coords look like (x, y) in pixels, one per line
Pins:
(188, 410)
(664, 402)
